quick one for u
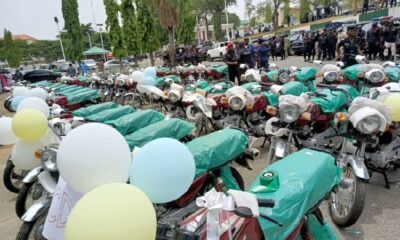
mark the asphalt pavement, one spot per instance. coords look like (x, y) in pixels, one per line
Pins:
(380, 219)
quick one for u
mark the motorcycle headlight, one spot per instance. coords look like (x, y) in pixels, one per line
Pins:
(59, 128)
(369, 124)
(284, 77)
(174, 96)
(120, 83)
(289, 113)
(49, 159)
(236, 102)
(250, 77)
(331, 76)
(375, 76)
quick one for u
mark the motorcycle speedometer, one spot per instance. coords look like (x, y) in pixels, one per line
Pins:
(369, 124)
(284, 77)
(236, 103)
(49, 159)
(289, 113)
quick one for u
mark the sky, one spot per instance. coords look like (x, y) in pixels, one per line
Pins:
(35, 17)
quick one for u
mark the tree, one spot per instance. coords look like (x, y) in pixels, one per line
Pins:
(73, 48)
(187, 22)
(129, 28)
(286, 10)
(148, 28)
(304, 8)
(275, 16)
(168, 15)
(113, 27)
(232, 18)
(253, 22)
(87, 29)
(268, 13)
(11, 53)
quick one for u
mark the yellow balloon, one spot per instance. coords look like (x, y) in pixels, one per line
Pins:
(112, 211)
(29, 124)
(393, 102)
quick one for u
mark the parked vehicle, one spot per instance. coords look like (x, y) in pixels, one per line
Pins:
(218, 51)
(41, 75)
(90, 63)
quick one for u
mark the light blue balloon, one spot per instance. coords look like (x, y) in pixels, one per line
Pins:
(150, 72)
(149, 81)
(16, 101)
(164, 169)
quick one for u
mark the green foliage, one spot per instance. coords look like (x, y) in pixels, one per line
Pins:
(253, 22)
(10, 51)
(114, 29)
(304, 8)
(87, 29)
(73, 40)
(147, 28)
(217, 21)
(268, 13)
(187, 22)
(216, 8)
(129, 34)
(286, 8)
(232, 18)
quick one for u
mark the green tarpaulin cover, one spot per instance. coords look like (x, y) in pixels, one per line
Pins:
(86, 111)
(216, 149)
(351, 72)
(350, 90)
(333, 101)
(134, 121)
(273, 76)
(71, 92)
(171, 128)
(160, 82)
(224, 85)
(294, 88)
(83, 96)
(306, 74)
(41, 84)
(110, 114)
(393, 73)
(272, 98)
(222, 69)
(250, 87)
(305, 177)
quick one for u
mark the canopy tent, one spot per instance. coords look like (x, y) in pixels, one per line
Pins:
(95, 51)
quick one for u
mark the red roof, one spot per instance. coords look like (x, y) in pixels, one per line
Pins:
(23, 37)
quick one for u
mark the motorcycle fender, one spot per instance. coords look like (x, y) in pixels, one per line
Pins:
(357, 164)
(37, 209)
(280, 149)
(31, 176)
(129, 94)
(47, 181)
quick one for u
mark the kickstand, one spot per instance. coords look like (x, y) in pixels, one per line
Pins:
(265, 140)
(383, 172)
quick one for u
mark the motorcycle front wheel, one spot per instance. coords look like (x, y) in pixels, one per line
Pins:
(28, 194)
(33, 230)
(347, 201)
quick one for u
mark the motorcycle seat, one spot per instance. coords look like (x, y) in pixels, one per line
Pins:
(305, 177)
(216, 149)
(172, 128)
(86, 111)
(110, 114)
(333, 101)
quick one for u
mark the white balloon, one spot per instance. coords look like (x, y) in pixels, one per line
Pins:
(23, 154)
(7, 135)
(93, 154)
(20, 91)
(39, 93)
(35, 103)
(138, 76)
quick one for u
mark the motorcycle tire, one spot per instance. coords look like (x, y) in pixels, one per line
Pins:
(8, 176)
(20, 207)
(7, 105)
(35, 227)
(355, 210)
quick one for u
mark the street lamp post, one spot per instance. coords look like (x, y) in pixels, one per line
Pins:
(90, 40)
(59, 35)
(101, 38)
(227, 24)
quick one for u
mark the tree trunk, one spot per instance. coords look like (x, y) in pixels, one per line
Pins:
(275, 18)
(355, 7)
(207, 31)
(152, 59)
(171, 42)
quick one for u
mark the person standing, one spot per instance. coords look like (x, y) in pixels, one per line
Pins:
(231, 60)
(17, 76)
(287, 46)
(262, 53)
(350, 47)
(250, 49)
(365, 7)
(282, 47)
(331, 45)
(273, 48)
(74, 65)
(373, 36)
(83, 68)
(71, 72)
(389, 37)
(307, 47)
(101, 66)
(315, 45)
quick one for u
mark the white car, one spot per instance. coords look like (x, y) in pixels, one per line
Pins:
(90, 63)
(218, 51)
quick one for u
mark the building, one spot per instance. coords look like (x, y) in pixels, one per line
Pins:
(24, 37)
(203, 37)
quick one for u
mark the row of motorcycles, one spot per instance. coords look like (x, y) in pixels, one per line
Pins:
(325, 141)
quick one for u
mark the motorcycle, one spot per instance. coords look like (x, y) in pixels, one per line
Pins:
(282, 203)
